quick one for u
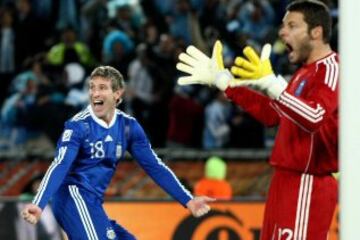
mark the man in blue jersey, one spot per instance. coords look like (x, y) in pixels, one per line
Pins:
(87, 153)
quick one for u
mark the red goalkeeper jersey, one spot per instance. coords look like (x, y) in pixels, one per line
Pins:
(307, 115)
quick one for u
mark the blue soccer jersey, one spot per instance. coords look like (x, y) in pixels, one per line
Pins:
(89, 150)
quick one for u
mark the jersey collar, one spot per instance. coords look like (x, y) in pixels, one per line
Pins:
(100, 121)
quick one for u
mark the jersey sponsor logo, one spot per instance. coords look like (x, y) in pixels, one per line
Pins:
(300, 88)
(118, 150)
(67, 135)
(110, 234)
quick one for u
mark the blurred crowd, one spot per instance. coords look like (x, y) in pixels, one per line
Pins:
(49, 47)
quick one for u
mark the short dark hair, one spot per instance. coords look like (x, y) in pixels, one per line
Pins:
(111, 73)
(316, 13)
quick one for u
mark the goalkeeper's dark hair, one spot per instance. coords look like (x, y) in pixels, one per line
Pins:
(316, 13)
(116, 78)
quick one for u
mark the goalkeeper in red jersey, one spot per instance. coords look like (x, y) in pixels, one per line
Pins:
(303, 194)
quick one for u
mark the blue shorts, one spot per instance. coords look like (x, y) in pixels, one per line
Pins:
(81, 215)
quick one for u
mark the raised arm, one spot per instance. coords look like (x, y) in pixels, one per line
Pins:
(210, 71)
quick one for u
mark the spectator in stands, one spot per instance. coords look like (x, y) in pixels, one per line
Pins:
(7, 51)
(68, 14)
(164, 52)
(29, 34)
(217, 123)
(77, 96)
(117, 48)
(214, 184)
(92, 144)
(14, 110)
(149, 34)
(94, 15)
(141, 93)
(18, 105)
(148, 94)
(50, 108)
(70, 50)
(30, 188)
(185, 119)
(256, 20)
(129, 19)
(303, 193)
(179, 21)
(33, 69)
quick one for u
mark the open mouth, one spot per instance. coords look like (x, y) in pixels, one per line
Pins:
(98, 103)
(289, 48)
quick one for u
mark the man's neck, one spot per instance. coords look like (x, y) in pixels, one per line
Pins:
(109, 117)
(320, 51)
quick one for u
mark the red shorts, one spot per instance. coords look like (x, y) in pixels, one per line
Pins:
(299, 206)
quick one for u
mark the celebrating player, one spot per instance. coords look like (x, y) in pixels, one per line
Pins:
(92, 144)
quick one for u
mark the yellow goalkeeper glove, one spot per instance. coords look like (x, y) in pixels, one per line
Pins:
(202, 69)
(256, 72)
(253, 67)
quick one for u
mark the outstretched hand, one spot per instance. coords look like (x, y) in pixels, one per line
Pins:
(202, 69)
(198, 206)
(253, 66)
(31, 213)
(256, 72)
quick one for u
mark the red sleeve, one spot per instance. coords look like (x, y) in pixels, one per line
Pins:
(254, 103)
(313, 109)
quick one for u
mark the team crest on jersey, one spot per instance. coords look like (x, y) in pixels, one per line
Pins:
(67, 135)
(300, 88)
(110, 234)
(118, 150)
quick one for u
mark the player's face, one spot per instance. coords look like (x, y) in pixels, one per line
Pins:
(102, 98)
(294, 33)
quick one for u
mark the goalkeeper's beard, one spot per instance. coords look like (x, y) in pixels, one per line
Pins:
(301, 53)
